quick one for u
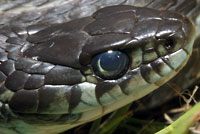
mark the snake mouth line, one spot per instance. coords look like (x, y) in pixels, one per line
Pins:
(163, 66)
(159, 68)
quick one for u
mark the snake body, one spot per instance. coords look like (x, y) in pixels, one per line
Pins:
(48, 81)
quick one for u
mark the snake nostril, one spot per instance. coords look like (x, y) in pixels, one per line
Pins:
(169, 43)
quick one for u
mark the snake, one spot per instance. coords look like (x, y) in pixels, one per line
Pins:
(64, 63)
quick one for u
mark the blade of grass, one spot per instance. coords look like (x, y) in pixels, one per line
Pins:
(112, 123)
(95, 125)
(182, 125)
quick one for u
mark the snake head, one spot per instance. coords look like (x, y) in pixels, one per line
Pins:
(94, 65)
(157, 45)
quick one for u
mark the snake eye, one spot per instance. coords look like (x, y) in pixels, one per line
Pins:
(169, 43)
(110, 65)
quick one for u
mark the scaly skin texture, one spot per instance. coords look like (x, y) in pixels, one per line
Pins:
(47, 83)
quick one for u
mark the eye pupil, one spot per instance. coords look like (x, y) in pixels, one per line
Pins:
(107, 59)
(169, 44)
(110, 65)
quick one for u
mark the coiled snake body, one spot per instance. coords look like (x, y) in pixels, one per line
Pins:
(56, 74)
